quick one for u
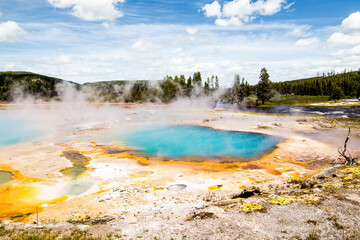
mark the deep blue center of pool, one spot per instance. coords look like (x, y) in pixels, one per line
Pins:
(14, 131)
(180, 141)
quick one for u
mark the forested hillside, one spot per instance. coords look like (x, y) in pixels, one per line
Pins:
(166, 90)
(334, 85)
(26, 83)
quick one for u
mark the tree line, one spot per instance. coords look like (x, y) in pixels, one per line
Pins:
(166, 90)
(241, 89)
(336, 86)
(175, 87)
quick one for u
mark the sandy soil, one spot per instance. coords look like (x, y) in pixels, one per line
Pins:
(131, 195)
(340, 103)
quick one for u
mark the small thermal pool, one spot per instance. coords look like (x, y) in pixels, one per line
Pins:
(181, 141)
(14, 131)
(5, 176)
(76, 187)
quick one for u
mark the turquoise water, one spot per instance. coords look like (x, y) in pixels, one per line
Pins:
(13, 131)
(180, 141)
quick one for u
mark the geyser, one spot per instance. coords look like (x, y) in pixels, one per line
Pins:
(182, 141)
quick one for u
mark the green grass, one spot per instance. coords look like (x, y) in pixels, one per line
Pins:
(294, 101)
(299, 101)
(313, 236)
(44, 234)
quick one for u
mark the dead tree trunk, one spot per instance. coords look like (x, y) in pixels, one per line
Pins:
(345, 153)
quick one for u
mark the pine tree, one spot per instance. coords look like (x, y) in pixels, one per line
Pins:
(189, 87)
(247, 89)
(197, 79)
(176, 79)
(264, 89)
(236, 88)
(241, 95)
(182, 84)
(337, 93)
(217, 82)
(170, 89)
(206, 88)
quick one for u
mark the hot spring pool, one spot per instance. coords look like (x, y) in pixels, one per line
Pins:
(181, 141)
(14, 131)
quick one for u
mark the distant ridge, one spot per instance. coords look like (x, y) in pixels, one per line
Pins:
(44, 87)
(28, 83)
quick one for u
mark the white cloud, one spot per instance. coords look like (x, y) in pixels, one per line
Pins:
(63, 59)
(181, 61)
(233, 21)
(300, 31)
(62, 3)
(95, 53)
(179, 52)
(213, 9)
(350, 32)
(191, 30)
(352, 23)
(143, 45)
(91, 10)
(10, 31)
(106, 24)
(341, 39)
(347, 52)
(59, 59)
(346, 43)
(306, 41)
(269, 7)
(287, 7)
(237, 11)
(95, 71)
(10, 66)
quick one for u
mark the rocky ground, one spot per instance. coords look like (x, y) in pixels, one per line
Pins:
(325, 206)
(290, 193)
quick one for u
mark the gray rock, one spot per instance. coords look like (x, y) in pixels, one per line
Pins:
(176, 187)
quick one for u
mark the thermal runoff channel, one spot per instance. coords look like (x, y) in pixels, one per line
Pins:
(181, 141)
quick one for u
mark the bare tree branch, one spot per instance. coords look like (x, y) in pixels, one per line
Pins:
(344, 152)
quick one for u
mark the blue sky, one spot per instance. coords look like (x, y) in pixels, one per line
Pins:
(91, 40)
